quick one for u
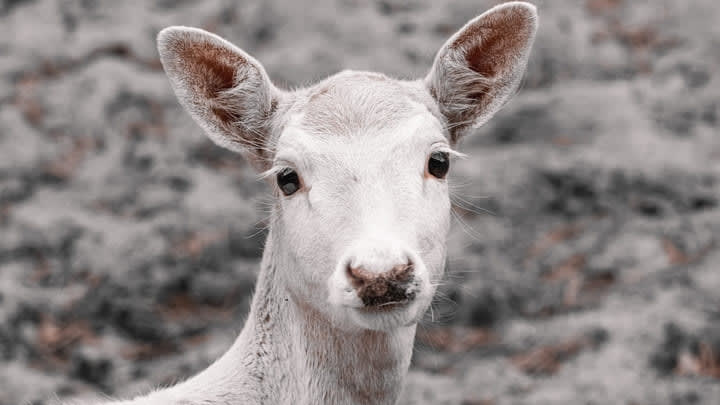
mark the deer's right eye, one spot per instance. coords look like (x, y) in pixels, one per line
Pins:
(438, 164)
(288, 181)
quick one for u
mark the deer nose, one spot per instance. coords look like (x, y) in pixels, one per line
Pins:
(382, 289)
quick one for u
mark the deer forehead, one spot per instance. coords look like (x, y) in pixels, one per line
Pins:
(406, 139)
(359, 117)
(352, 103)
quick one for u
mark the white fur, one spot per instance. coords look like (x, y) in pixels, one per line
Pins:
(366, 201)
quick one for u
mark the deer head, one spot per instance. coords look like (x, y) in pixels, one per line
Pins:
(358, 162)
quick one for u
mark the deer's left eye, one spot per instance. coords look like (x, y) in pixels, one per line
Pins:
(439, 164)
(288, 181)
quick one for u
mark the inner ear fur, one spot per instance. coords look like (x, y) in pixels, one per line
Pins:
(225, 90)
(480, 66)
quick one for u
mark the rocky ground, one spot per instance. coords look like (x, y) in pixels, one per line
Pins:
(584, 259)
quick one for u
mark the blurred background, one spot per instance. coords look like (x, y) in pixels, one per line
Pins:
(584, 259)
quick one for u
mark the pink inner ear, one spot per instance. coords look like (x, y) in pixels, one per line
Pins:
(211, 70)
(492, 44)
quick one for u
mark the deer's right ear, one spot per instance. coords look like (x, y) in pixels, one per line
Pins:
(479, 67)
(225, 90)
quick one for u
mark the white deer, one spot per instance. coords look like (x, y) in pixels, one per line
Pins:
(358, 230)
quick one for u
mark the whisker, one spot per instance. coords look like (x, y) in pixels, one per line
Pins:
(469, 206)
(465, 227)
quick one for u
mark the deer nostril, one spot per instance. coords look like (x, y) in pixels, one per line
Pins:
(401, 273)
(360, 277)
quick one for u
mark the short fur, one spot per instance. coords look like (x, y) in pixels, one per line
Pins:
(367, 207)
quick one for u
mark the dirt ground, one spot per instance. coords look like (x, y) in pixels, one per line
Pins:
(583, 262)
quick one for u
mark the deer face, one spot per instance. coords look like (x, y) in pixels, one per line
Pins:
(363, 200)
(358, 162)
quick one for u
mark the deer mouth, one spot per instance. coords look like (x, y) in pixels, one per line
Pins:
(386, 306)
(394, 305)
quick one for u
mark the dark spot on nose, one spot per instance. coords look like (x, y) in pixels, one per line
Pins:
(382, 289)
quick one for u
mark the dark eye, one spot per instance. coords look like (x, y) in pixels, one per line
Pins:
(438, 164)
(288, 181)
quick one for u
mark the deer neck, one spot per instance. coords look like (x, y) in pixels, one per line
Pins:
(288, 353)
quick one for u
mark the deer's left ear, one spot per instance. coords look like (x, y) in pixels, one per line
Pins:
(480, 66)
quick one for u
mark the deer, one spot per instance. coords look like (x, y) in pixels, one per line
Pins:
(358, 164)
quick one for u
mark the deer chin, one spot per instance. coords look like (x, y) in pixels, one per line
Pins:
(390, 318)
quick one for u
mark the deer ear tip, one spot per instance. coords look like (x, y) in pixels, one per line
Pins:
(522, 9)
(173, 40)
(518, 10)
(168, 33)
(175, 33)
(520, 6)
(529, 11)
(168, 39)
